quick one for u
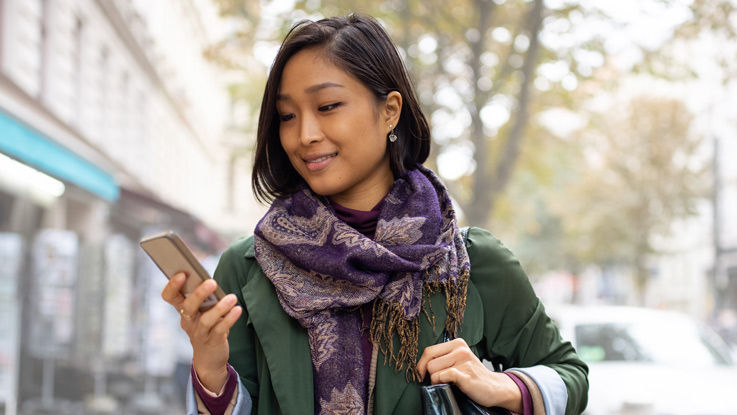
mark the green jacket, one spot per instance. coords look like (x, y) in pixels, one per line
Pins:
(504, 320)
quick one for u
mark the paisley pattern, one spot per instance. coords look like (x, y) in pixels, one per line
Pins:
(287, 229)
(323, 337)
(399, 231)
(323, 270)
(302, 297)
(345, 235)
(342, 402)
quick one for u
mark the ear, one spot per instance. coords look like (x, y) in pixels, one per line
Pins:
(392, 109)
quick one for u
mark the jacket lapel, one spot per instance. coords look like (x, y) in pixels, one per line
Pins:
(284, 343)
(391, 384)
(287, 348)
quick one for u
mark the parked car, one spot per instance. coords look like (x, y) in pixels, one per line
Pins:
(644, 361)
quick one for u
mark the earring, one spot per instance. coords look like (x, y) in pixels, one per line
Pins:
(392, 137)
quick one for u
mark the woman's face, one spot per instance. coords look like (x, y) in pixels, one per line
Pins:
(334, 131)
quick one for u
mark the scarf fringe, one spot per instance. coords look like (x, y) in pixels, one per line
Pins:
(389, 321)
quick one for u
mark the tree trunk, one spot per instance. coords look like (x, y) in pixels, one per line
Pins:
(406, 28)
(642, 248)
(508, 157)
(479, 196)
(641, 278)
(488, 185)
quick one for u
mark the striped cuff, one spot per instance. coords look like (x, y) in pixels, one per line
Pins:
(240, 403)
(548, 386)
(524, 391)
(216, 403)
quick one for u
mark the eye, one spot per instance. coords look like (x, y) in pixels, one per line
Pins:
(286, 117)
(329, 107)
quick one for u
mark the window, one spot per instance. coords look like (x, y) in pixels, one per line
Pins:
(607, 342)
(44, 50)
(124, 109)
(102, 88)
(77, 71)
(3, 27)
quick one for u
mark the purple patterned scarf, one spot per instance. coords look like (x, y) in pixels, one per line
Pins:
(324, 270)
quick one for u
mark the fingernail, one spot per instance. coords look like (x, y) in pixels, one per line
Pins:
(210, 284)
(179, 277)
(230, 299)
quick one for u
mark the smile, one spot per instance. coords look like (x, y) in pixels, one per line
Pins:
(319, 162)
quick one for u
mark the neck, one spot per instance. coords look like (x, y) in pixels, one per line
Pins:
(367, 196)
(363, 201)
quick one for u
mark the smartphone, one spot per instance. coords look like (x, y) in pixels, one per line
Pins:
(171, 255)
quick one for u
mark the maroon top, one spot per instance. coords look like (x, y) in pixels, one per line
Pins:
(216, 404)
(362, 221)
(365, 223)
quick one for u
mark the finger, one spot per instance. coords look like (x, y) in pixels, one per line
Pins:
(455, 357)
(213, 315)
(432, 352)
(192, 302)
(223, 326)
(171, 292)
(448, 375)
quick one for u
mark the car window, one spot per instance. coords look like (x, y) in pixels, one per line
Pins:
(677, 342)
(606, 342)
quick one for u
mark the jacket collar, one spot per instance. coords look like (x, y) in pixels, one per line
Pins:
(283, 341)
(287, 350)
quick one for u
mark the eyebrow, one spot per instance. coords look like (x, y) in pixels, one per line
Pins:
(312, 89)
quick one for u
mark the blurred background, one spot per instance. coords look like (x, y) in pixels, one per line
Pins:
(597, 139)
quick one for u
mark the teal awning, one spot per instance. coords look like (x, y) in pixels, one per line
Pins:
(32, 148)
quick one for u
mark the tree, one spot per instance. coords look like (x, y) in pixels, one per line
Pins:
(481, 54)
(494, 71)
(639, 179)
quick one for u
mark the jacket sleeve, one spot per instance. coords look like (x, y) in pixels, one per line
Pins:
(240, 403)
(517, 331)
(231, 275)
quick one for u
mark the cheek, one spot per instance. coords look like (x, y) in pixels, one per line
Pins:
(371, 137)
(285, 143)
(288, 150)
(282, 138)
(377, 144)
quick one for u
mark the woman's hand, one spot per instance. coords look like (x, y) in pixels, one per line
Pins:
(208, 331)
(454, 362)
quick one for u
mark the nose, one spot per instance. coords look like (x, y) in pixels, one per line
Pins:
(310, 131)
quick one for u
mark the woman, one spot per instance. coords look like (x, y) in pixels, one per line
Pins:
(340, 301)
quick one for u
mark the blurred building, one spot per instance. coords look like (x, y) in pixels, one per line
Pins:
(725, 219)
(696, 270)
(111, 127)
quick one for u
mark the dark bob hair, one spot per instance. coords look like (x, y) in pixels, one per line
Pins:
(361, 47)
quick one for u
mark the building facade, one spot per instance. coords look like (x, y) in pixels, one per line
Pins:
(112, 125)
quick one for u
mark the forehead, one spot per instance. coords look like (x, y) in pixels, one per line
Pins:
(310, 67)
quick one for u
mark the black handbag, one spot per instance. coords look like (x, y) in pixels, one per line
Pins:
(447, 399)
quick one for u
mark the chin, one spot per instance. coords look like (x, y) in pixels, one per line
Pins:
(324, 189)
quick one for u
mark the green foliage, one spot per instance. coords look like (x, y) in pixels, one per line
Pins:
(596, 194)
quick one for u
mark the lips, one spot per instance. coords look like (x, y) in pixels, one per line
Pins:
(318, 162)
